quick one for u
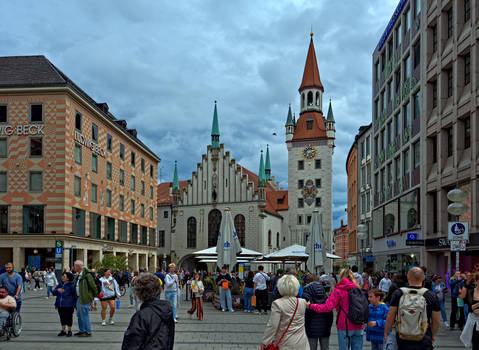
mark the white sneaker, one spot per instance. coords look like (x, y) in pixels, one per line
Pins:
(111, 321)
(176, 321)
(223, 310)
(103, 323)
(446, 324)
(256, 312)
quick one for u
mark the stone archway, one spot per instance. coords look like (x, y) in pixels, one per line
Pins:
(189, 263)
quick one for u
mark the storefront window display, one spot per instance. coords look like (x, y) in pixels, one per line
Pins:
(398, 262)
(378, 223)
(391, 221)
(409, 211)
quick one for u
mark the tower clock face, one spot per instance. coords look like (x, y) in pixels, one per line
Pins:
(309, 152)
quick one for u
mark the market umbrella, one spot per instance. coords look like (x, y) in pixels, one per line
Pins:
(315, 244)
(228, 245)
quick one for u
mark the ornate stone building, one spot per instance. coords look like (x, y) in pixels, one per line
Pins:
(266, 218)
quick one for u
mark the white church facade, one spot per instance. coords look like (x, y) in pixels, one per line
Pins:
(266, 218)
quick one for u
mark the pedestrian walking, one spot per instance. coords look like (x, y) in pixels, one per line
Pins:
(197, 290)
(14, 283)
(85, 290)
(470, 333)
(50, 281)
(455, 283)
(24, 275)
(378, 312)
(318, 325)
(248, 292)
(347, 291)
(133, 299)
(171, 288)
(65, 302)
(152, 327)
(260, 290)
(416, 313)
(7, 304)
(37, 277)
(224, 281)
(110, 292)
(285, 327)
(439, 288)
(385, 283)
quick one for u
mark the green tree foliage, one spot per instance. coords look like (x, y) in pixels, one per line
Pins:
(110, 261)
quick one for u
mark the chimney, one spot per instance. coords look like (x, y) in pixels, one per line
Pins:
(342, 223)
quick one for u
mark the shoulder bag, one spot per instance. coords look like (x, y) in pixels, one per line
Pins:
(274, 346)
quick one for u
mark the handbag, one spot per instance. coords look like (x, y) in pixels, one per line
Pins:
(274, 346)
(253, 300)
(224, 285)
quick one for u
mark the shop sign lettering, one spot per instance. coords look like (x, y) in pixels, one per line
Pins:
(22, 130)
(95, 148)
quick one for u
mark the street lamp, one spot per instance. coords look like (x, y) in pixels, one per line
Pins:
(457, 208)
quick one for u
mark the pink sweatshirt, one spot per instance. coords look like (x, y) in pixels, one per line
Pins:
(339, 295)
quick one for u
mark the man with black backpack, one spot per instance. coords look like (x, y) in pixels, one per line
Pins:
(416, 312)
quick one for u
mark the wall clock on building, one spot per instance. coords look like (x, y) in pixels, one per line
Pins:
(309, 152)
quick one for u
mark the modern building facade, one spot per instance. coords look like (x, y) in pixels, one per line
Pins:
(70, 172)
(450, 135)
(397, 122)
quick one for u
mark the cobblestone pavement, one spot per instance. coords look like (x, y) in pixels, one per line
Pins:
(217, 331)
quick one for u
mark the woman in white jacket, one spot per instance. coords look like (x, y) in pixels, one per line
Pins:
(50, 281)
(109, 293)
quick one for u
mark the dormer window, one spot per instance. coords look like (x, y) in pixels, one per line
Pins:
(309, 123)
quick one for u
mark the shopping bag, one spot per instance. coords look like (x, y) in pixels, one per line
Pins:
(253, 300)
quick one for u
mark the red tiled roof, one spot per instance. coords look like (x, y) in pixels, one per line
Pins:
(311, 72)
(164, 192)
(317, 131)
(276, 201)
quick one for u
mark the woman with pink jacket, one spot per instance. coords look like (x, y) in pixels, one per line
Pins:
(339, 299)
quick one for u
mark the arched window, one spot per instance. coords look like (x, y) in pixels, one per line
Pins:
(317, 98)
(310, 98)
(277, 240)
(309, 123)
(191, 233)
(214, 224)
(269, 238)
(240, 228)
(302, 100)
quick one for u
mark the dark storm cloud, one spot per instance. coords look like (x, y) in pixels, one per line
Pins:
(160, 65)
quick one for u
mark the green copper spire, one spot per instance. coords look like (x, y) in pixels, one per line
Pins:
(176, 185)
(267, 166)
(215, 130)
(330, 113)
(289, 121)
(261, 175)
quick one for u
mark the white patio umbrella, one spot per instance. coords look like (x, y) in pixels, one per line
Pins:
(315, 244)
(228, 245)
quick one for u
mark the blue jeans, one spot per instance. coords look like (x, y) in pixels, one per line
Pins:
(172, 297)
(375, 346)
(466, 311)
(19, 306)
(443, 310)
(83, 317)
(247, 294)
(225, 299)
(355, 341)
(3, 318)
(49, 291)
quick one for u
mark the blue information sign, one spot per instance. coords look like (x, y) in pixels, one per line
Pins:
(58, 251)
(412, 236)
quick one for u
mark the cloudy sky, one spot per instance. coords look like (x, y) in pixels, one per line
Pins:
(161, 64)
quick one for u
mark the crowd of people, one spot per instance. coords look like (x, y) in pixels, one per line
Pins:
(401, 311)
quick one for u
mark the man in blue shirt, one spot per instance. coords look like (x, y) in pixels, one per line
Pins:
(13, 281)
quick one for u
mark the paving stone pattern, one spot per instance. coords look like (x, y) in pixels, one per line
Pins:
(218, 330)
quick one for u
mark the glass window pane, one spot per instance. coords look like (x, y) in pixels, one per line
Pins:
(94, 163)
(3, 148)
(78, 219)
(3, 181)
(94, 193)
(77, 186)
(391, 221)
(3, 218)
(36, 147)
(108, 198)
(33, 219)
(36, 181)
(78, 154)
(409, 211)
(378, 223)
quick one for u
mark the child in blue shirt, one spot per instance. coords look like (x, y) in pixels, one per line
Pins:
(377, 319)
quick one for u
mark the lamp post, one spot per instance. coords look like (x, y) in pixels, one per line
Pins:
(362, 235)
(457, 196)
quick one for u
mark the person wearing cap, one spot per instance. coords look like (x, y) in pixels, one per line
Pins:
(171, 288)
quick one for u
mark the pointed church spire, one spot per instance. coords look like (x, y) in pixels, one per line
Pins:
(330, 113)
(176, 185)
(215, 130)
(289, 120)
(261, 175)
(267, 166)
(311, 72)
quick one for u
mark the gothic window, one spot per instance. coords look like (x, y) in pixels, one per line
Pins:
(317, 98)
(269, 238)
(310, 98)
(191, 233)
(277, 240)
(240, 228)
(309, 123)
(214, 224)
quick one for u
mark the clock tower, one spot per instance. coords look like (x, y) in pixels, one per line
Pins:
(310, 144)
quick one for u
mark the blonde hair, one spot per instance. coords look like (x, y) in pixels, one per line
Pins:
(347, 273)
(288, 286)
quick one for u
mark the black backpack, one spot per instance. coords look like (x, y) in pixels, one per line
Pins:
(358, 312)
